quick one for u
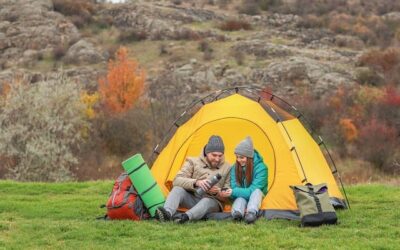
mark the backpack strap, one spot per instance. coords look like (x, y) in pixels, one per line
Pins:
(316, 199)
(132, 190)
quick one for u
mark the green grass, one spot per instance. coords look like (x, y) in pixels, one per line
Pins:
(62, 216)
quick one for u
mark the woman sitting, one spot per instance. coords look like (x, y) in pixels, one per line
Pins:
(249, 182)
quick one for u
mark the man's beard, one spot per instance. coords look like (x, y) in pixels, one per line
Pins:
(213, 164)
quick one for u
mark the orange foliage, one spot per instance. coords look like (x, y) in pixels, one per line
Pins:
(385, 60)
(341, 23)
(5, 90)
(336, 101)
(349, 130)
(123, 84)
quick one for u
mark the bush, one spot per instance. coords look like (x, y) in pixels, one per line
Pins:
(239, 56)
(369, 76)
(131, 35)
(59, 51)
(186, 34)
(378, 143)
(41, 127)
(249, 7)
(163, 49)
(269, 4)
(385, 62)
(223, 4)
(233, 25)
(311, 21)
(208, 54)
(124, 83)
(128, 133)
(204, 45)
(81, 11)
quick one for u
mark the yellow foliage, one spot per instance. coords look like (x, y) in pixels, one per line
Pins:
(90, 100)
(368, 94)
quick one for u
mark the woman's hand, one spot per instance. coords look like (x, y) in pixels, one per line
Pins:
(214, 190)
(226, 193)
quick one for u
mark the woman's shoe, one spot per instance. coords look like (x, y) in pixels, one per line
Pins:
(250, 218)
(237, 216)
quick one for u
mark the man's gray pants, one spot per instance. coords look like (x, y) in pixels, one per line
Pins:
(198, 206)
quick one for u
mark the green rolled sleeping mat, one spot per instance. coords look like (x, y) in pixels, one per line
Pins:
(144, 182)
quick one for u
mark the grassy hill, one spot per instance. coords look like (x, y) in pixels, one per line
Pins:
(62, 216)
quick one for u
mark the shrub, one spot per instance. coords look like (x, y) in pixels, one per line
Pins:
(186, 34)
(349, 130)
(111, 51)
(368, 76)
(90, 100)
(340, 23)
(233, 25)
(387, 108)
(124, 83)
(131, 35)
(311, 21)
(81, 10)
(59, 51)
(128, 133)
(176, 2)
(204, 45)
(377, 143)
(208, 54)
(249, 7)
(163, 49)
(386, 62)
(41, 127)
(104, 21)
(239, 56)
(269, 4)
(223, 4)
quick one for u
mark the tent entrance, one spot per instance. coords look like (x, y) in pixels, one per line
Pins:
(232, 130)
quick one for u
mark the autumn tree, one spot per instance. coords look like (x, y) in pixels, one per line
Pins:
(123, 84)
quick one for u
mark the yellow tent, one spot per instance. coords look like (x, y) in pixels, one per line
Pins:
(290, 152)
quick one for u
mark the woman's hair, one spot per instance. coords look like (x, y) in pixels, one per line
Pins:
(249, 172)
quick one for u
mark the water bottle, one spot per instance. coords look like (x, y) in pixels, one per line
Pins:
(214, 180)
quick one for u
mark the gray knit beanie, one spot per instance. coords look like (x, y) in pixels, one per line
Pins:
(215, 144)
(245, 148)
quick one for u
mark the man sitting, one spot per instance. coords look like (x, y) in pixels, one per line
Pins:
(194, 174)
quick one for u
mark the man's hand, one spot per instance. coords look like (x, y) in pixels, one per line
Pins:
(214, 190)
(226, 193)
(204, 184)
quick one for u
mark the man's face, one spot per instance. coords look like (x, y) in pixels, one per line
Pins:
(214, 158)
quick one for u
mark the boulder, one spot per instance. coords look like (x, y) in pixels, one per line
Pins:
(32, 25)
(83, 52)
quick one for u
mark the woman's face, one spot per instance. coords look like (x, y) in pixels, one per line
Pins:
(242, 160)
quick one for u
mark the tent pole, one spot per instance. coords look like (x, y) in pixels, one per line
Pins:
(336, 172)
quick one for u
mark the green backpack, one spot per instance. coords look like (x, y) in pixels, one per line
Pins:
(314, 205)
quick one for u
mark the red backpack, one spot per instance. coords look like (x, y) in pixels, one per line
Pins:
(124, 202)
